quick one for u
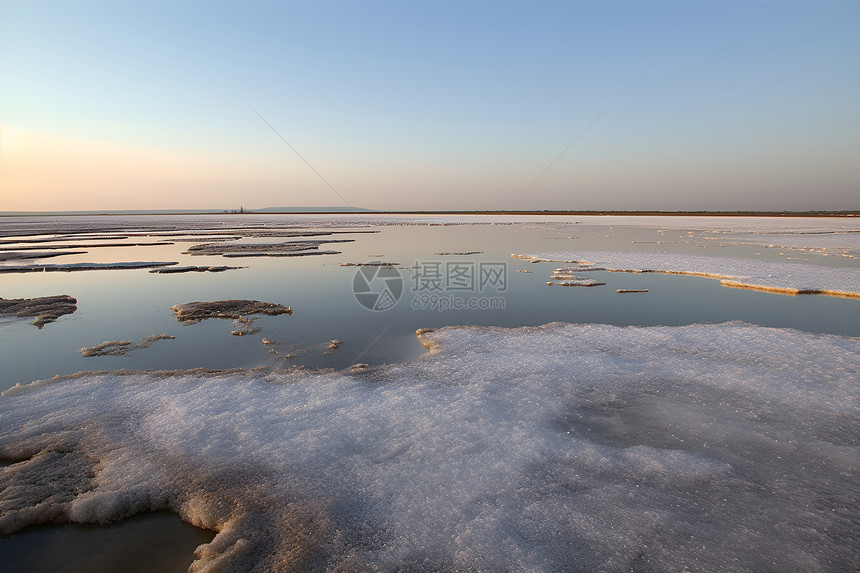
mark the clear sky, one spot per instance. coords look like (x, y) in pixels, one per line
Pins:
(430, 105)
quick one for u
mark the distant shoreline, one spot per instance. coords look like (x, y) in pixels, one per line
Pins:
(845, 214)
(635, 213)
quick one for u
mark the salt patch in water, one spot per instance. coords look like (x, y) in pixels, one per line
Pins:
(45, 309)
(286, 249)
(783, 278)
(29, 255)
(70, 267)
(193, 269)
(192, 312)
(122, 347)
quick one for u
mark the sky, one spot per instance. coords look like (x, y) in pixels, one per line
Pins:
(430, 105)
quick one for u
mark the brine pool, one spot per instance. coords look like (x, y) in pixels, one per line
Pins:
(602, 430)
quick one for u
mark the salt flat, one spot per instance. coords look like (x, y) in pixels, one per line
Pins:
(564, 447)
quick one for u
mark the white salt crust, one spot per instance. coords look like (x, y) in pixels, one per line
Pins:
(786, 278)
(556, 448)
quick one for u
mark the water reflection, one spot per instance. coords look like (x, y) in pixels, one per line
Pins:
(157, 541)
(134, 304)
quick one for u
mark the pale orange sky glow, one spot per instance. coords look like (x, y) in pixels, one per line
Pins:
(48, 172)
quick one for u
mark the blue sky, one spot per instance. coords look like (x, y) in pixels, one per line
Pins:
(430, 105)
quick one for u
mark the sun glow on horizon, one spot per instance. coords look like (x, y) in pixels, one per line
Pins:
(43, 171)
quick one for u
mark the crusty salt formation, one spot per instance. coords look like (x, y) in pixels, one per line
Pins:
(75, 267)
(122, 347)
(556, 448)
(191, 312)
(777, 277)
(25, 255)
(285, 249)
(44, 309)
(192, 269)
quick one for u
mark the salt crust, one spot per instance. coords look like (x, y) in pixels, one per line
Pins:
(193, 269)
(193, 312)
(784, 278)
(71, 267)
(285, 249)
(122, 347)
(44, 309)
(563, 447)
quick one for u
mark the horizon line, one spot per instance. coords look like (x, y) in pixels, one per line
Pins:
(364, 211)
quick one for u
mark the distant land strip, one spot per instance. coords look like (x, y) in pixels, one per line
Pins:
(357, 211)
(639, 213)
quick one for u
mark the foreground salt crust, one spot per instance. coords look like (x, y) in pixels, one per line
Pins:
(557, 448)
(785, 278)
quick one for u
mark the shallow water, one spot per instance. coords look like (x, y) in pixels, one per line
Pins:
(156, 541)
(133, 304)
